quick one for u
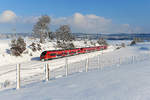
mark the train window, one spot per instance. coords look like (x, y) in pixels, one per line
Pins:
(53, 54)
(59, 54)
(73, 52)
(81, 48)
(43, 53)
(65, 53)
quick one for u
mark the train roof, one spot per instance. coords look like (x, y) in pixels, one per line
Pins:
(68, 49)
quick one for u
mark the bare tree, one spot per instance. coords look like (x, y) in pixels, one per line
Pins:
(41, 28)
(64, 33)
(64, 37)
(51, 35)
(102, 41)
(34, 47)
(135, 41)
(18, 46)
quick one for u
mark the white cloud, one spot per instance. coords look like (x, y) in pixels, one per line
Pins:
(78, 22)
(31, 19)
(7, 16)
(122, 28)
(92, 24)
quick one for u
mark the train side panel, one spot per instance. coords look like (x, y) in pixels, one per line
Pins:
(62, 53)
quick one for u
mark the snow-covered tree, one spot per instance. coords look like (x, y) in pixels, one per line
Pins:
(102, 41)
(18, 46)
(64, 37)
(41, 28)
(63, 33)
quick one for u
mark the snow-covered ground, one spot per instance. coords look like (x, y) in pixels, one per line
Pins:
(35, 67)
(129, 81)
(6, 57)
(30, 65)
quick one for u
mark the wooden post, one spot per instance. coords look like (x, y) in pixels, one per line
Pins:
(66, 66)
(99, 61)
(101, 64)
(47, 72)
(119, 61)
(87, 64)
(134, 58)
(18, 76)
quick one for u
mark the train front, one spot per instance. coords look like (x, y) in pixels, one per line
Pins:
(43, 55)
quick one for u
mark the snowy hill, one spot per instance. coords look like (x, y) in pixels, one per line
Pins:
(6, 57)
(127, 82)
(31, 65)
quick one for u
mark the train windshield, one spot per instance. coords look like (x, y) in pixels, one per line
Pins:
(43, 53)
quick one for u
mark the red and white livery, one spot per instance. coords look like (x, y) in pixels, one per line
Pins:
(46, 55)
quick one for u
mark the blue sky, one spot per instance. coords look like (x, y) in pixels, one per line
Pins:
(107, 16)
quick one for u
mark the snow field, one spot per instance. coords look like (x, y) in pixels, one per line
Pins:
(32, 70)
(35, 71)
(127, 82)
(121, 74)
(8, 59)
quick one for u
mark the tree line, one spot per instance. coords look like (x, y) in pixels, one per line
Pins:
(41, 29)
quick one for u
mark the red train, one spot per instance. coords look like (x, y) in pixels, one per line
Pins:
(46, 55)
